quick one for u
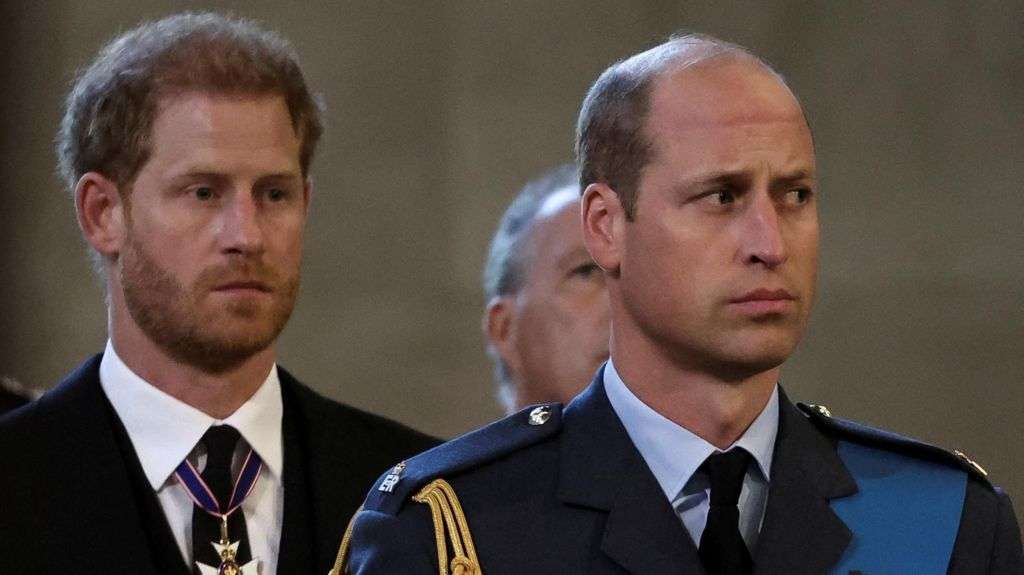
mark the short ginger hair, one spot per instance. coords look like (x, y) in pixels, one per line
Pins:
(110, 111)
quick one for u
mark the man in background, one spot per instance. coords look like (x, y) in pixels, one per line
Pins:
(184, 447)
(546, 319)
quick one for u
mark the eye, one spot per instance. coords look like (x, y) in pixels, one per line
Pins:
(585, 270)
(276, 194)
(798, 196)
(203, 193)
(720, 197)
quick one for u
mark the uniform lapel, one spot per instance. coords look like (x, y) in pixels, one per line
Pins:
(91, 494)
(800, 532)
(602, 470)
(645, 536)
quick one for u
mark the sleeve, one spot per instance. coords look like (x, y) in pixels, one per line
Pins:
(385, 544)
(1006, 551)
(989, 537)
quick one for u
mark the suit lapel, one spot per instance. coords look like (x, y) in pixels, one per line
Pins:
(800, 532)
(297, 550)
(321, 488)
(98, 505)
(601, 469)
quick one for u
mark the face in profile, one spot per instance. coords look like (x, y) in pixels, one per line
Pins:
(558, 322)
(719, 264)
(210, 265)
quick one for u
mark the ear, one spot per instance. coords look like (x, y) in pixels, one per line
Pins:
(499, 329)
(603, 226)
(101, 213)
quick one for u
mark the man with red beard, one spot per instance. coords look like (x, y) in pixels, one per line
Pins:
(183, 447)
(684, 455)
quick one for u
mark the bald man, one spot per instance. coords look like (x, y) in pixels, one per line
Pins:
(546, 319)
(685, 455)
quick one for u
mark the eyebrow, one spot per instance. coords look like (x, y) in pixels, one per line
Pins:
(797, 176)
(220, 178)
(732, 177)
(278, 177)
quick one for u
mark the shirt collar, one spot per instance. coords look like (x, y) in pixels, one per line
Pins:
(164, 430)
(673, 452)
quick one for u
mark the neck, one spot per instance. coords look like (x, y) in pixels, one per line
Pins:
(717, 410)
(215, 394)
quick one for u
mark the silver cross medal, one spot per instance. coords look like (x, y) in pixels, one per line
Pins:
(227, 552)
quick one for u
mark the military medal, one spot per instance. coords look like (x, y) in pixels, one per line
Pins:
(227, 551)
(202, 496)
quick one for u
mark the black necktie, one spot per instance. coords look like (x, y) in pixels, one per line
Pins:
(220, 444)
(722, 550)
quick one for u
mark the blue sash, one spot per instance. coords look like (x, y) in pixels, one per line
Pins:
(905, 516)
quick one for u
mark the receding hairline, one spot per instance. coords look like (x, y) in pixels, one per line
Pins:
(680, 53)
(612, 140)
(703, 80)
(552, 207)
(695, 54)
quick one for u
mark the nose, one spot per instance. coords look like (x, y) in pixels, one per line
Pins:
(763, 243)
(241, 229)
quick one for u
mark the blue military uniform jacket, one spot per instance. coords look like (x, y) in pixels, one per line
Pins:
(551, 491)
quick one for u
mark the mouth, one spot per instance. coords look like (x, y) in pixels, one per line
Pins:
(764, 301)
(243, 286)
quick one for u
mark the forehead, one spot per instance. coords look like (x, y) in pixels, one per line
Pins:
(724, 90)
(556, 229)
(725, 105)
(196, 122)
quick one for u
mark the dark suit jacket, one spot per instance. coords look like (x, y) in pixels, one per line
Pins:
(10, 400)
(73, 498)
(573, 495)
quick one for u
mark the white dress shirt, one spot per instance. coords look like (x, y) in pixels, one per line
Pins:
(164, 431)
(674, 454)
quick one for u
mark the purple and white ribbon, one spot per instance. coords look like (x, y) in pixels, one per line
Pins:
(204, 497)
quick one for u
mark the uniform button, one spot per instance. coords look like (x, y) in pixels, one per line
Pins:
(540, 415)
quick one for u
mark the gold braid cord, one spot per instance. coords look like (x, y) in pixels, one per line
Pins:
(346, 539)
(450, 520)
(450, 526)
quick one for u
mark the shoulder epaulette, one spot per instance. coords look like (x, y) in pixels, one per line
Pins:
(860, 433)
(531, 425)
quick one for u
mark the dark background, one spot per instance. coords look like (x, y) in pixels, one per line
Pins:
(438, 111)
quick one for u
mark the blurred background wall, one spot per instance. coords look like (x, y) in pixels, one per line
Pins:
(438, 111)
